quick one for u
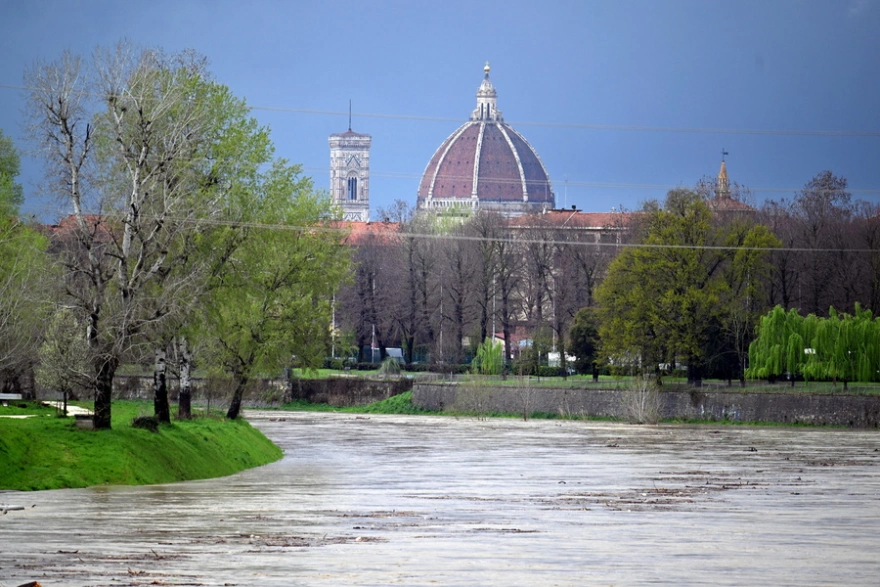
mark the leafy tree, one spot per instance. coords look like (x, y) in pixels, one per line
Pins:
(63, 355)
(779, 348)
(270, 300)
(135, 143)
(842, 347)
(24, 273)
(23, 266)
(584, 340)
(489, 358)
(11, 195)
(664, 298)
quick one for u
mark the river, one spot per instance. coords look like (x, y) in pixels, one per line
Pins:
(429, 501)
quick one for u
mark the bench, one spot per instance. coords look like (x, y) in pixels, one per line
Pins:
(5, 397)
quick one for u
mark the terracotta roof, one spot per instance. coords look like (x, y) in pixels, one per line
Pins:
(361, 232)
(728, 204)
(573, 219)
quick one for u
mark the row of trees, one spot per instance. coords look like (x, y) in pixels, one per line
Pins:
(842, 347)
(189, 241)
(690, 291)
(437, 283)
(681, 281)
(187, 236)
(830, 253)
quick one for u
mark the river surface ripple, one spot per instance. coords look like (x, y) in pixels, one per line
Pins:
(399, 500)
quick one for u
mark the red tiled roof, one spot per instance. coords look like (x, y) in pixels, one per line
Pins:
(506, 161)
(728, 204)
(573, 219)
(360, 232)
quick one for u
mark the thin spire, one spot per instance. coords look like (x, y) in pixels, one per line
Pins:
(722, 185)
(349, 114)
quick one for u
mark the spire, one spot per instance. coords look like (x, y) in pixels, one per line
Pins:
(487, 100)
(722, 186)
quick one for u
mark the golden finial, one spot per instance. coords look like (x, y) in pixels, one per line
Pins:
(486, 69)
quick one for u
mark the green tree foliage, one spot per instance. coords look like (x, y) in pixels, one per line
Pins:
(671, 295)
(63, 356)
(843, 347)
(270, 293)
(489, 359)
(24, 270)
(11, 195)
(23, 266)
(584, 339)
(148, 151)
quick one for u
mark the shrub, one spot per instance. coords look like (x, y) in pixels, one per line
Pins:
(389, 367)
(489, 358)
(642, 402)
(150, 423)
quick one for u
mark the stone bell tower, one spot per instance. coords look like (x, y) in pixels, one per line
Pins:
(350, 173)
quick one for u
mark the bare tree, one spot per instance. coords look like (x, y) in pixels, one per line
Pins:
(459, 266)
(127, 139)
(485, 228)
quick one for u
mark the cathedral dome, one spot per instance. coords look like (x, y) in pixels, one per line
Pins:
(486, 163)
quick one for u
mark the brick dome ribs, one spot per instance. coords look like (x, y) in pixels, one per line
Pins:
(486, 163)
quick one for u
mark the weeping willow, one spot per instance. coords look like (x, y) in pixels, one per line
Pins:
(841, 348)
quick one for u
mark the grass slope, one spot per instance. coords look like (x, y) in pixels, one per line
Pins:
(398, 404)
(47, 452)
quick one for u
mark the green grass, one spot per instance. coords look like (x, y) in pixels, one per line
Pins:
(48, 452)
(398, 404)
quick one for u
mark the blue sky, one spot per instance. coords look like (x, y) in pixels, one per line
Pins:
(622, 99)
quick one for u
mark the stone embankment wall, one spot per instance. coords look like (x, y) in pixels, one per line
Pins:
(336, 391)
(348, 391)
(860, 411)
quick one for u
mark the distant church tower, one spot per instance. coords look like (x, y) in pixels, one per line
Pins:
(350, 173)
(722, 185)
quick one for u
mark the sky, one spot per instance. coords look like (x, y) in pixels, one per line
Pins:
(622, 99)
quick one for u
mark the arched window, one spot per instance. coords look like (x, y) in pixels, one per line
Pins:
(352, 188)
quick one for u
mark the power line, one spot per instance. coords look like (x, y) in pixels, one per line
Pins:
(574, 125)
(342, 231)
(572, 183)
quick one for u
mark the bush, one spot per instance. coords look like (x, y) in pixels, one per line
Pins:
(551, 371)
(445, 368)
(150, 423)
(489, 359)
(336, 364)
(642, 402)
(389, 367)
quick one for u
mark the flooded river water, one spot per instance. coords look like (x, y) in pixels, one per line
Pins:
(394, 500)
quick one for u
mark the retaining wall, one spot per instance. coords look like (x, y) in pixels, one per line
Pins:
(336, 391)
(860, 411)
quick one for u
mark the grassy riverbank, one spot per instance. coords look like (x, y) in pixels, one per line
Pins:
(48, 452)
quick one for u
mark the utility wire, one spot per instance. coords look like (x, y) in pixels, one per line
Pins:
(570, 183)
(573, 183)
(343, 229)
(583, 126)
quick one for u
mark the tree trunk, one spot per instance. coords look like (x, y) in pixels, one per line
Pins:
(104, 392)
(160, 390)
(241, 382)
(184, 399)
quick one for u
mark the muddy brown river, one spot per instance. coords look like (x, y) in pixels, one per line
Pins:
(398, 500)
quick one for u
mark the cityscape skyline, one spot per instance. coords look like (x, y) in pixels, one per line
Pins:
(622, 101)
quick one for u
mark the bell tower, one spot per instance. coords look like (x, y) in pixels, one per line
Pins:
(350, 173)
